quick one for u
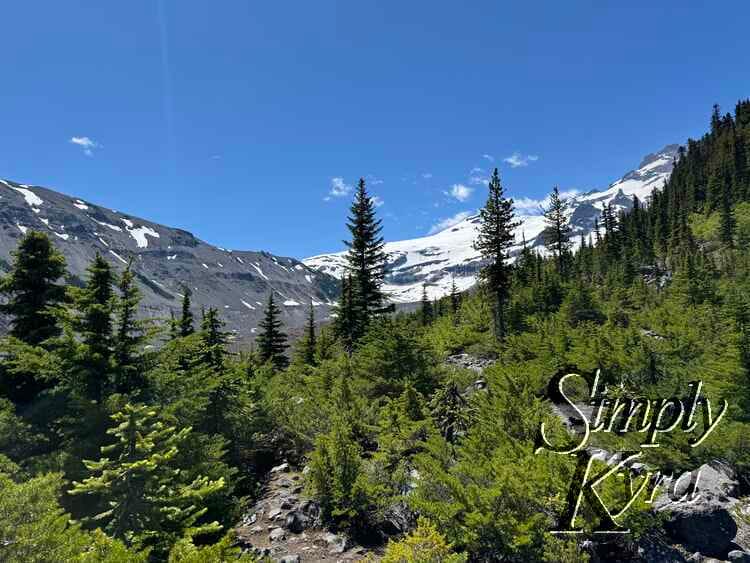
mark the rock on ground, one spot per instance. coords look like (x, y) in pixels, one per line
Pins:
(286, 527)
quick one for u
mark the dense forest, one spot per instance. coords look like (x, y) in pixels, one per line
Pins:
(132, 439)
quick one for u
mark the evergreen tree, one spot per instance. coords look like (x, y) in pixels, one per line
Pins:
(455, 300)
(309, 341)
(186, 320)
(35, 529)
(450, 411)
(148, 501)
(129, 334)
(346, 316)
(365, 260)
(336, 476)
(427, 308)
(95, 308)
(557, 233)
(597, 234)
(33, 294)
(496, 226)
(272, 340)
(221, 381)
(727, 221)
(174, 326)
(213, 340)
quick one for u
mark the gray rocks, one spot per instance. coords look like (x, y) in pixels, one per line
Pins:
(297, 522)
(465, 361)
(337, 543)
(274, 514)
(277, 534)
(701, 519)
(290, 559)
(737, 556)
(398, 519)
(283, 468)
(288, 503)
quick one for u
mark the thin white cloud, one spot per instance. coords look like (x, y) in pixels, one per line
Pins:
(460, 192)
(377, 201)
(426, 175)
(488, 157)
(530, 206)
(373, 180)
(339, 188)
(517, 159)
(477, 176)
(87, 144)
(448, 222)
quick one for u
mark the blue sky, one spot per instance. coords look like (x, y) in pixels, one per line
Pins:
(247, 122)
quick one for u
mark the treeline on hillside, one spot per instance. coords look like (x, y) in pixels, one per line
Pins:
(124, 440)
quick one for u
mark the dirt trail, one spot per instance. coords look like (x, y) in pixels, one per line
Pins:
(285, 526)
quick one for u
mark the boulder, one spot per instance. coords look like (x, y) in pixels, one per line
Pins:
(311, 509)
(283, 468)
(288, 503)
(699, 509)
(397, 519)
(336, 543)
(262, 552)
(277, 534)
(250, 519)
(290, 559)
(297, 522)
(742, 511)
(274, 513)
(738, 556)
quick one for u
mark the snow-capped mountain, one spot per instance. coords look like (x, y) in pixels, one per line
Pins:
(165, 259)
(435, 260)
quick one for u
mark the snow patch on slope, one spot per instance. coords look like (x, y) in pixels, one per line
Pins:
(31, 198)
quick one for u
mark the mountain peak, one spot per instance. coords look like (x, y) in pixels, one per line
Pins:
(437, 259)
(164, 259)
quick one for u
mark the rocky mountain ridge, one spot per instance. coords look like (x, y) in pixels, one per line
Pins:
(164, 260)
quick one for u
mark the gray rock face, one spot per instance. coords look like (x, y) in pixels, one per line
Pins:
(164, 259)
(705, 523)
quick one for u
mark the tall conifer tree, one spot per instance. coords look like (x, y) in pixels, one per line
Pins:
(309, 340)
(557, 233)
(129, 333)
(95, 304)
(726, 219)
(213, 339)
(272, 340)
(186, 320)
(495, 237)
(365, 259)
(455, 299)
(346, 315)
